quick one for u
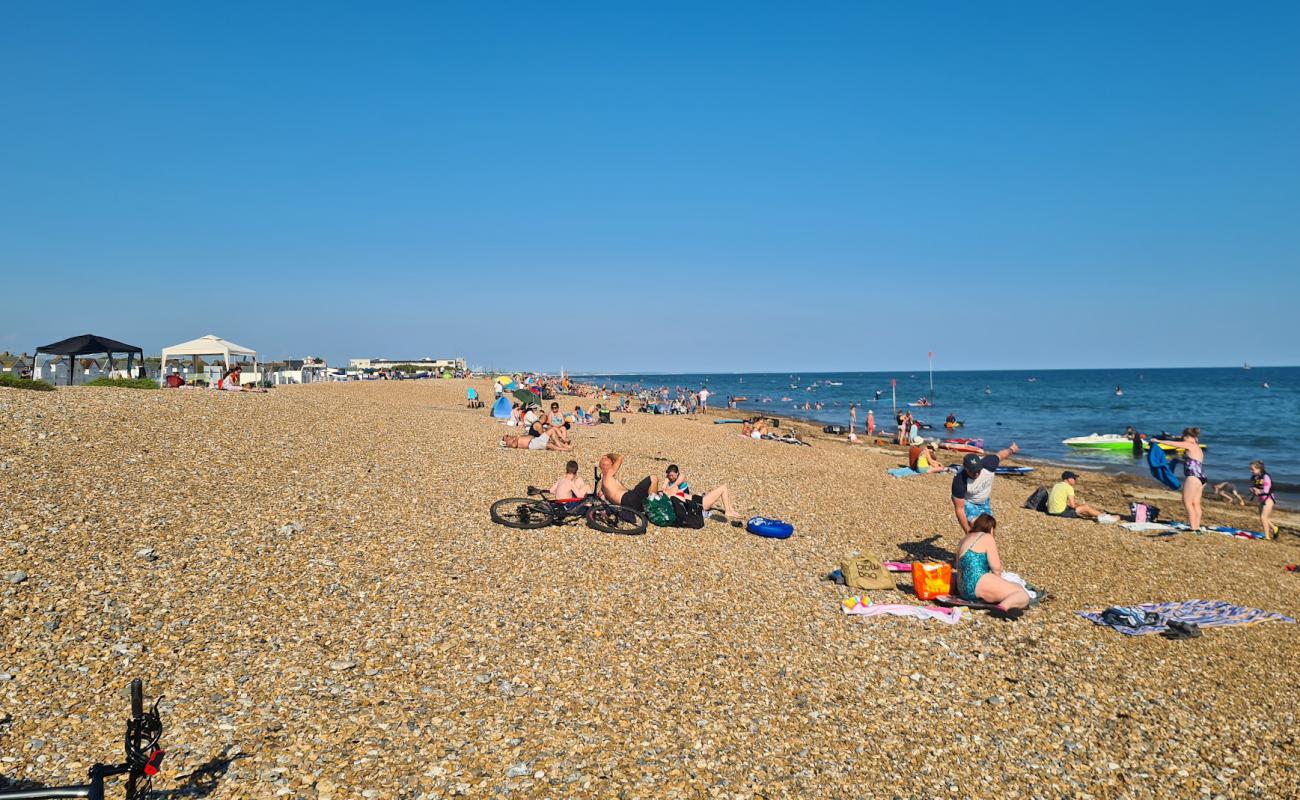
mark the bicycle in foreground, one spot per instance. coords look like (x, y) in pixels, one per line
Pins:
(143, 755)
(604, 516)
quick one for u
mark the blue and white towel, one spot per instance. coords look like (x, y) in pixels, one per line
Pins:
(1205, 613)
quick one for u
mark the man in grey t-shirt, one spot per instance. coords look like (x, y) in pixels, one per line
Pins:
(972, 486)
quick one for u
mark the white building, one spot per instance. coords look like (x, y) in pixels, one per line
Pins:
(429, 364)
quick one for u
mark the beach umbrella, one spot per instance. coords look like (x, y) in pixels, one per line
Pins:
(524, 396)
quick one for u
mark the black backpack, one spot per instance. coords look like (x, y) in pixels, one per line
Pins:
(690, 514)
(1038, 500)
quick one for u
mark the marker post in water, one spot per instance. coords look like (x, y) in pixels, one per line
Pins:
(893, 391)
(931, 355)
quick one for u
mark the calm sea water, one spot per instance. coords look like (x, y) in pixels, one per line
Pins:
(1239, 419)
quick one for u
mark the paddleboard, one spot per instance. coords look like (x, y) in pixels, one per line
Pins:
(727, 421)
(1014, 470)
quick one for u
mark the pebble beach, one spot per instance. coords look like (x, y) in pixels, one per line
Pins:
(311, 578)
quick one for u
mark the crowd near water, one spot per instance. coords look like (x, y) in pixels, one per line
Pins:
(1245, 414)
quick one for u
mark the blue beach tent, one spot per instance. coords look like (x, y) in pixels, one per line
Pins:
(501, 408)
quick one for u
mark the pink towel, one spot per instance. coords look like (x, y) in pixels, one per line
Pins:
(949, 616)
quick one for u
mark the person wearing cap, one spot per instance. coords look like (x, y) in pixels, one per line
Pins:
(1061, 501)
(972, 486)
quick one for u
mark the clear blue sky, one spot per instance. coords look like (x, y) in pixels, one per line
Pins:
(658, 186)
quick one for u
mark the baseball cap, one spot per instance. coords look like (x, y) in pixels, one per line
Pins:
(972, 464)
(1065, 476)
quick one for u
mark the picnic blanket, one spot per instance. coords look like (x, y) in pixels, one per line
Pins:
(1175, 527)
(1205, 613)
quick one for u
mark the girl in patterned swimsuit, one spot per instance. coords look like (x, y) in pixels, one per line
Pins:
(979, 568)
(1194, 472)
(1261, 485)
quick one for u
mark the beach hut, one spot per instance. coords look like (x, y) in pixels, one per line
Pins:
(87, 344)
(209, 345)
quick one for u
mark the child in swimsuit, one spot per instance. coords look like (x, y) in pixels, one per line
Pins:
(979, 568)
(1261, 485)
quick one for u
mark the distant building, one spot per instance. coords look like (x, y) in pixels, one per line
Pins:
(429, 364)
(15, 364)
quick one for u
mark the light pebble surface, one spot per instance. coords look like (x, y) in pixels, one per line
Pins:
(311, 578)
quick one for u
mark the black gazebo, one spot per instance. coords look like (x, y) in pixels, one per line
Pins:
(88, 344)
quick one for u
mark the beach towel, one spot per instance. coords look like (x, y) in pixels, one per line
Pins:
(1161, 469)
(902, 472)
(1205, 613)
(863, 607)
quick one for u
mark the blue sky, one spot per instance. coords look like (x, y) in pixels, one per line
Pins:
(658, 186)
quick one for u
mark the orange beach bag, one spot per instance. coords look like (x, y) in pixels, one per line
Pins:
(931, 579)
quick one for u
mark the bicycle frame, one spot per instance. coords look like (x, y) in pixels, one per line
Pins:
(141, 766)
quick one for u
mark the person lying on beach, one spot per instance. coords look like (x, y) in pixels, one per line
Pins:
(754, 428)
(526, 442)
(972, 486)
(614, 490)
(977, 569)
(1062, 502)
(675, 485)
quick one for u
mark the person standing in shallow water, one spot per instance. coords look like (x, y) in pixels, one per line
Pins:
(853, 418)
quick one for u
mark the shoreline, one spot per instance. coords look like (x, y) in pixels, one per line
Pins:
(1115, 486)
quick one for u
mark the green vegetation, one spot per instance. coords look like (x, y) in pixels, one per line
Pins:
(125, 383)
(12, 381)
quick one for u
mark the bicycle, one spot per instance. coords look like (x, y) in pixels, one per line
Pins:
(143, 756)
(528, 513)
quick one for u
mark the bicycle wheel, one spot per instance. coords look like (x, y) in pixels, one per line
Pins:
(520, 512)
(616, 519)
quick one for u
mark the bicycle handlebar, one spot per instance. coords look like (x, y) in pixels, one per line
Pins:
(137, 698)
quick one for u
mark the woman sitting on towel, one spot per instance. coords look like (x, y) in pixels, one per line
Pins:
(978, 569)
(926, 461)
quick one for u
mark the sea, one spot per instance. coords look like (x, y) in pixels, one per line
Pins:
(1243, 413)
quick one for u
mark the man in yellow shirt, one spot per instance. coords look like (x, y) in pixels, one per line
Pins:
(1061, 501)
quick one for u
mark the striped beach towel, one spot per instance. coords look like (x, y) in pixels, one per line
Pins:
(1205, 613)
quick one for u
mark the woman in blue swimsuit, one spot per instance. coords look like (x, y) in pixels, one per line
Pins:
(1193, 472)
(979, 568)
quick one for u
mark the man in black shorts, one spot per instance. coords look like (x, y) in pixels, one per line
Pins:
(616, 492)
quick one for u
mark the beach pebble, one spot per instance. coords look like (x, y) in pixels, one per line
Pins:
(17, 576)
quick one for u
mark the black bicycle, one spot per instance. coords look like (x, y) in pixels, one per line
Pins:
(529, 513)
(143, 755)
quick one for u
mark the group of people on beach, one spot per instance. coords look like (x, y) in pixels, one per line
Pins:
(1195, 481)
(542, 431)
(611, 487)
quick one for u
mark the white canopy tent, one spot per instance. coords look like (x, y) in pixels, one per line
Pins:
(209, 345)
